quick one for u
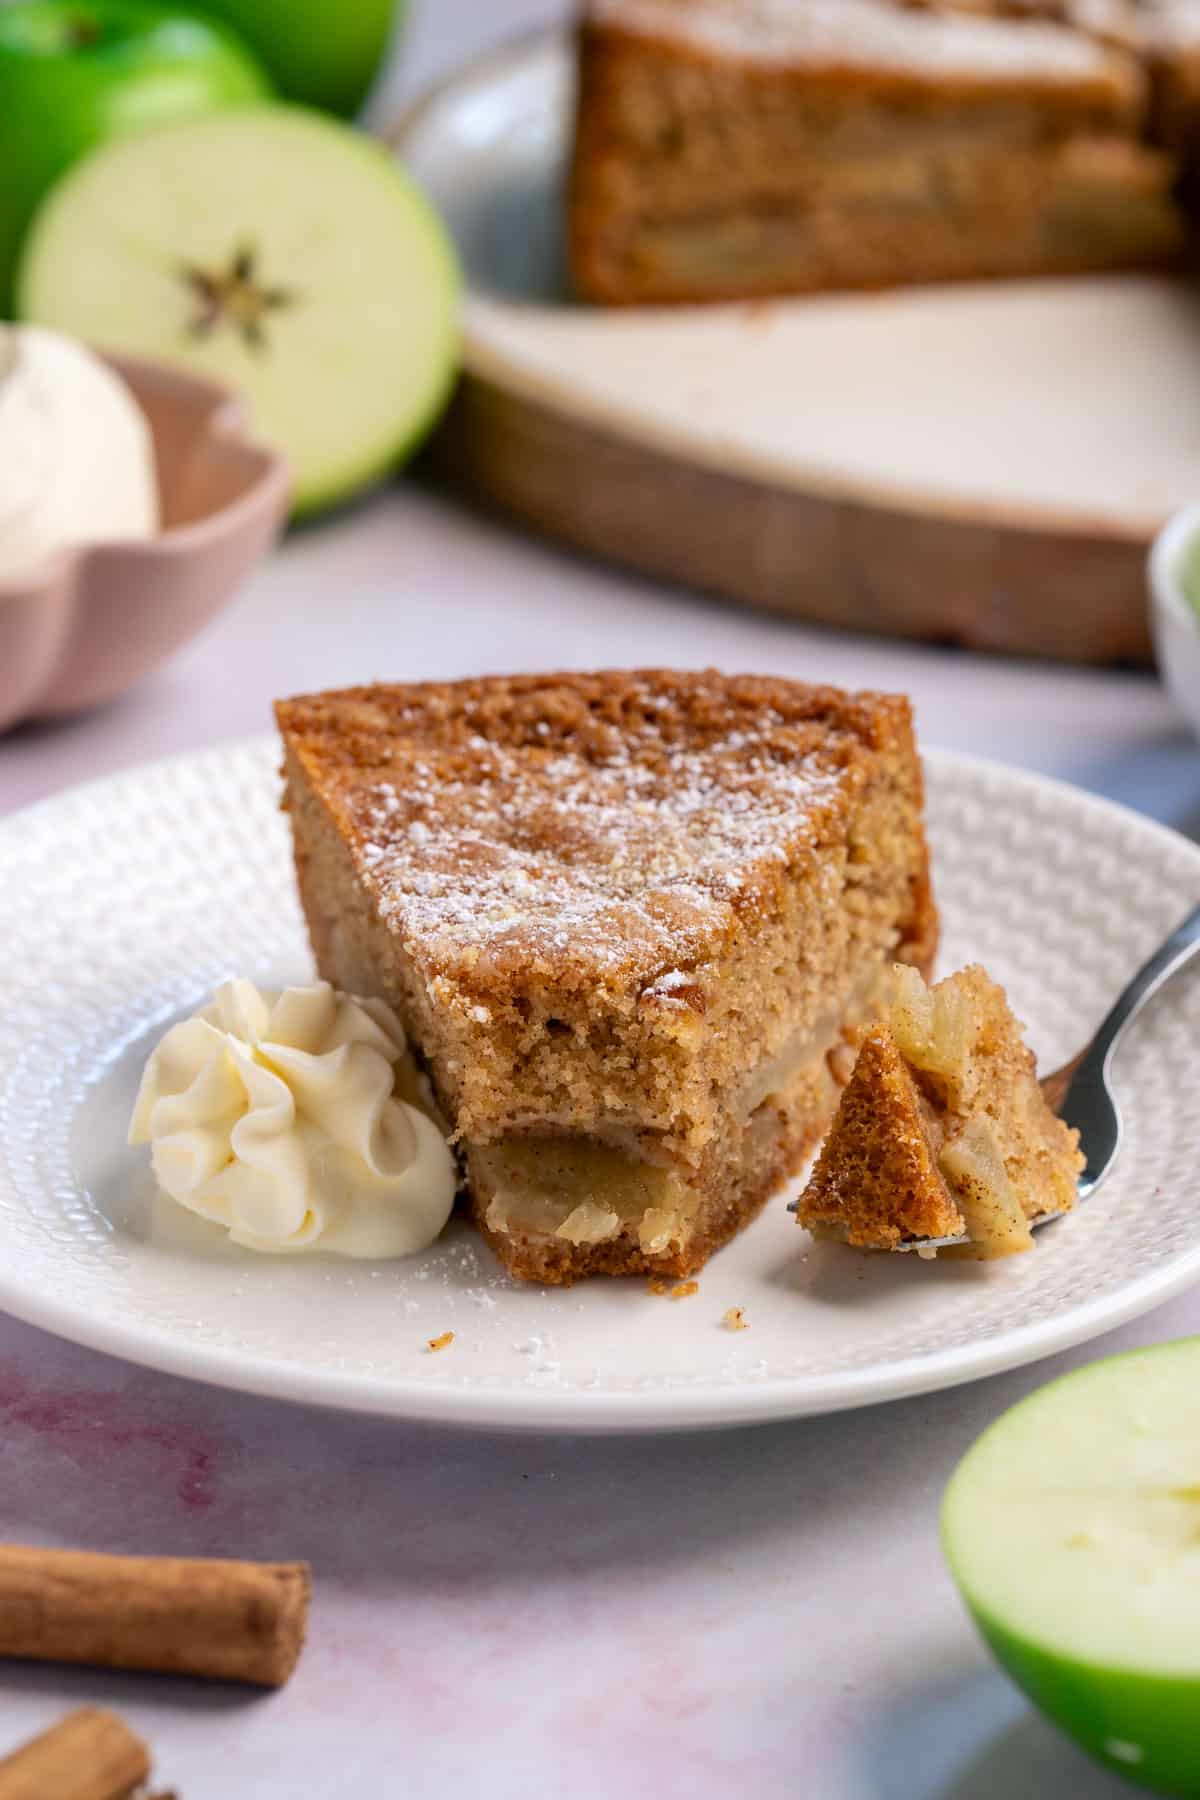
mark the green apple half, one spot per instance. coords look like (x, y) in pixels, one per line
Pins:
(1072, 1527)
(274, 250)
(74, 73)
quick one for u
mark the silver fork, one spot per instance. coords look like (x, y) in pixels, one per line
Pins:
(1081, 1091)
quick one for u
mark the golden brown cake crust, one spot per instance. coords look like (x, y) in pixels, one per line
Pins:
(1056, 50)
(610, 828)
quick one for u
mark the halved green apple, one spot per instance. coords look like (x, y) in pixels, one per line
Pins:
(1072, 1527)
(272, 249)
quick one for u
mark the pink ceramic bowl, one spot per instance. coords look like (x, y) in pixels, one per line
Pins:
(95, 620)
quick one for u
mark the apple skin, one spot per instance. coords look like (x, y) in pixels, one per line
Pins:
(1100, 1706)
(137, 65)
(320, 53)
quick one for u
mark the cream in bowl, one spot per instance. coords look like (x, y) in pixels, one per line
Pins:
(76, 452)
(1175, 609)
(133, 502)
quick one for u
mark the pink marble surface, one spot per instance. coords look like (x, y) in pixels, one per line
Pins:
(762, 1613)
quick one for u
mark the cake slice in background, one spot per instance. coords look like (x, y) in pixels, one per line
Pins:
(943, 1130)
(730, 148)
(633, 924)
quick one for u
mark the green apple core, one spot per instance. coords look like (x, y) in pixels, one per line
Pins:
(50, 32)
(79, 31)
(235, 297)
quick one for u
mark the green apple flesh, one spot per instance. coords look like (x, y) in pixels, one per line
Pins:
(274, 250)
(1191, 576)
(1072, 1527)
(320, 54)
(74, 73)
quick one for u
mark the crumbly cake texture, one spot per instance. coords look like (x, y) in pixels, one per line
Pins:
(632, 923)
(942, 1130)
(731, 148)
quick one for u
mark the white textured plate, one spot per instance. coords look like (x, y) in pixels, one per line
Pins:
(123, 903)
(897, 399)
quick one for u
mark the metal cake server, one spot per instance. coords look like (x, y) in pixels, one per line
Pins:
(1081, 1091)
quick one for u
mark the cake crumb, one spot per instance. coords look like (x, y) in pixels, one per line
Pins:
(441, 1343)
(654, 1286)
(735, 1319)
(683, 1290)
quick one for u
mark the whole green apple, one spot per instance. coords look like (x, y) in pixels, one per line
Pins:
(322, 53)
(75, 72)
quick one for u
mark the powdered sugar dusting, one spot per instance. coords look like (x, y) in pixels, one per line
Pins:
(632, 842)
(675, 986)
(867, 33)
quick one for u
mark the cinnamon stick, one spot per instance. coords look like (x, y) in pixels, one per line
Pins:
(237, 1621)
(89, 1755)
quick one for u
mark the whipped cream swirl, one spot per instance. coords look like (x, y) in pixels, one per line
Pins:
(277, 1116)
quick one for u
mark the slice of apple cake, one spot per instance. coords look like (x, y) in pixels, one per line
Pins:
(632, 923)
(727, 149)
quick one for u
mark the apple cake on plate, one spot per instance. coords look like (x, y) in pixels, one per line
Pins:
(633, 925)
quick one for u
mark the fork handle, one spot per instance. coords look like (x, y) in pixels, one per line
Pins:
(1182, 945)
